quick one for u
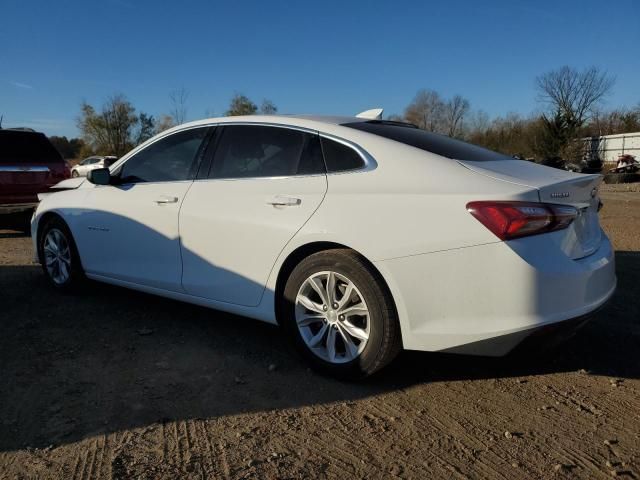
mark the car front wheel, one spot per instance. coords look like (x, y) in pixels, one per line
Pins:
(340, 315)
(59, 256)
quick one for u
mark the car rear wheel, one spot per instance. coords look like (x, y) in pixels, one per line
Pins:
(74, 173)
(59, 256)
(340, 315)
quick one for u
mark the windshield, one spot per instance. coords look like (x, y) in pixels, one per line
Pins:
(427, 141)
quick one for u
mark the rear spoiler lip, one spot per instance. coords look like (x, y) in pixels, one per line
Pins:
(487, 173)
(69, 184)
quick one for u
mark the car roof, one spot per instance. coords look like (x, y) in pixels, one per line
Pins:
(308, 121)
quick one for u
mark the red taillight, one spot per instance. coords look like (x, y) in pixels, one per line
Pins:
(60, 171)
(509, 220)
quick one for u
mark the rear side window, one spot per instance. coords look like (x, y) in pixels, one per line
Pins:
(339, 157)
(249, 151)
(170, 159)
(427, 141)
(24, 147)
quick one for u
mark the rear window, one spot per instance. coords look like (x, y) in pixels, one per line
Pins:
(427, 141)
(339, 157)
(25, 147)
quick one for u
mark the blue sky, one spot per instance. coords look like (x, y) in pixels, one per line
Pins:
(329, 57)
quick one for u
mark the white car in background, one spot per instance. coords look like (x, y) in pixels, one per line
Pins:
(358, 236)
(91, 163)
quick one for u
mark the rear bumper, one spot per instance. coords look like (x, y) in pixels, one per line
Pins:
(17, 207)
(531, 340)
(487, 299)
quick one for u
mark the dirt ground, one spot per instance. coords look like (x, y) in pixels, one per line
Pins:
(118, 384)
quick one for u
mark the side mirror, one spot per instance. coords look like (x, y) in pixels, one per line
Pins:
(99, 176)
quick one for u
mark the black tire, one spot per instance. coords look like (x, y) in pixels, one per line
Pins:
(384, 341)
(20, 221)
(74, 174)
(615, 178)
(76, 278)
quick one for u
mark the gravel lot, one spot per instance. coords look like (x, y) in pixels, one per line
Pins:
(118, 384)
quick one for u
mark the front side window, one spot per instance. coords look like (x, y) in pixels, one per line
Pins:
(170, 159)
(245, 151)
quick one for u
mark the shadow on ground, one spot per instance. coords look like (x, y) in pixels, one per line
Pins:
(114, 359)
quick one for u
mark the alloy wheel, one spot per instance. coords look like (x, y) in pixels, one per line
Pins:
(57, 256)
(332, 317)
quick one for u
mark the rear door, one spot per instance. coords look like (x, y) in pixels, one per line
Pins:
(264, 183)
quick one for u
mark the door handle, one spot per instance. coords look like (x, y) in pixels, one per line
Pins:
(163, 199)
(284, 201)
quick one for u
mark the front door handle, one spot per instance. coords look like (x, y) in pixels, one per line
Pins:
(284, 201)
(163, 199)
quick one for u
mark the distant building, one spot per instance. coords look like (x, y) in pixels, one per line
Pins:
(609, 147)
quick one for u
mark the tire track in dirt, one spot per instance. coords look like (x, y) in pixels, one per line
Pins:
(445, 426)
(81, 458)
(207, 450)
(223, 461)
(87, 472)
(381, 461)
(104, 469)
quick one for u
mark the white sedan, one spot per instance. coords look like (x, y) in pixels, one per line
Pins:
(358, 236)
(91, 163)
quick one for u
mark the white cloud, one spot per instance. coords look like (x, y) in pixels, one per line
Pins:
(21, 85)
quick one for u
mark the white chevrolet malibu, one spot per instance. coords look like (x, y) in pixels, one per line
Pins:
(358, 236)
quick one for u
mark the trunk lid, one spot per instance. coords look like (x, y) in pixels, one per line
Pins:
(583, 236)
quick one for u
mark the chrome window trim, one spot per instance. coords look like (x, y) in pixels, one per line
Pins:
(281, 177)
(17, 168)
(144, 146)
(148, 143)
(142, 183)
(369, 162)
(267, 124)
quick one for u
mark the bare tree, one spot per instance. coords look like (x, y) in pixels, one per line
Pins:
(426, 111)
(574, 94)
(478, 122)
(165, 122)
(178, 98)
(453, 114)
(394, 117)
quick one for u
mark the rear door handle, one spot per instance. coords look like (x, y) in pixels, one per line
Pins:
(162, 199)
(284, 201)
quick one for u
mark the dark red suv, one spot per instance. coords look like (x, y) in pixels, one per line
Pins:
(29, 165)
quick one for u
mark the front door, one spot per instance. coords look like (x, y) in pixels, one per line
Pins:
(129, 230)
